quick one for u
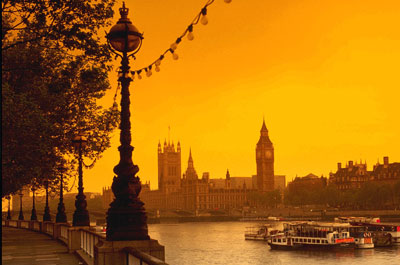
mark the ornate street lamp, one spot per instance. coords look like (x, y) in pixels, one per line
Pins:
(126, 217)
(21, 214)
(8, 197)
(81, 214)
(46, 215)
(33, 215)
(61, 217)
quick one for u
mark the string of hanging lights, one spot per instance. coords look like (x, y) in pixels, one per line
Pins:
(200, 17)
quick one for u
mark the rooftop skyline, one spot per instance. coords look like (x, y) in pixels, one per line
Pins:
(324, 76)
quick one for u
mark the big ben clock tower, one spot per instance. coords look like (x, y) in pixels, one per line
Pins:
(265, 161)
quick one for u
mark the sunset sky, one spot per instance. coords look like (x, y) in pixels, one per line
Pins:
(324, 74)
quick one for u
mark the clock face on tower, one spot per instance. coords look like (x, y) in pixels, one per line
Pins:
(268, 154)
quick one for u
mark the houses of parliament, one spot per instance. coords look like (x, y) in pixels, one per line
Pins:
(188, 192)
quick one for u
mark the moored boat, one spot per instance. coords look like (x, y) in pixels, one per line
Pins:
(311, 235)
(362, 237)
(383, 234)
(260, 233)
(364, 240)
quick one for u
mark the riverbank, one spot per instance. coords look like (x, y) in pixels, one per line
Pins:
(291, 215)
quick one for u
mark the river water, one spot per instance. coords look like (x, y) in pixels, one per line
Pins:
(224, 243)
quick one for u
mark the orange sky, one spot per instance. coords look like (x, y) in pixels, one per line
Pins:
(325, 74)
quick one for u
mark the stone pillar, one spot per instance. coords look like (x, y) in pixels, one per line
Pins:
(111, 252)
(57, 231)
(31, 224)
(43, 227)
(74, 238)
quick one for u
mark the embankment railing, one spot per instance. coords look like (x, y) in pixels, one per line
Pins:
(88, 240)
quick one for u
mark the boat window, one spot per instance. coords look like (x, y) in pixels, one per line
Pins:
(318, 241)
(309, 240)
(313, 240)
(279, 240)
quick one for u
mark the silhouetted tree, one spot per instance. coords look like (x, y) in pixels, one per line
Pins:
(265, 199)
(54, 68)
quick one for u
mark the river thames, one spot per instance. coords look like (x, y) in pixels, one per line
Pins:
(224, 243)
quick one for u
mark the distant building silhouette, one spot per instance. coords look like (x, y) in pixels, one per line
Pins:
(309, 182)
(354, 175)
(188, 192)
(169, 167)
(265, 161)
(280, 182)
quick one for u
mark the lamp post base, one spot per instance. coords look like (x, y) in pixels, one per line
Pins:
(33, 215)
(21, 216)
(46, 215)
(127, 222)
(81, 214)
(81, 218)
(61, 217)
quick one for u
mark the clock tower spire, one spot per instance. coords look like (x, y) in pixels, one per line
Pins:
(265, 161)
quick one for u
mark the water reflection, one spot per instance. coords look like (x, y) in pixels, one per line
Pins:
(223, 243)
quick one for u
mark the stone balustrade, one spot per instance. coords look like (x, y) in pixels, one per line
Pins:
(133, 257)
(92, 247)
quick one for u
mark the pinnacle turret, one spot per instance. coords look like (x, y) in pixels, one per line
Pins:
(264, 138)
(264, 127)
(190, 171)
(190, 157)
(178, 147)
(228, 176)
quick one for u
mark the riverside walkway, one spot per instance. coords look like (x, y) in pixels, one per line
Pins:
(21, 246)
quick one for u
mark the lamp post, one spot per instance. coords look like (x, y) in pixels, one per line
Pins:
(61, 217)
(33, 215)
(8, 197)
(21, 214)
(81, 214)
(126, 217)
(46, 215)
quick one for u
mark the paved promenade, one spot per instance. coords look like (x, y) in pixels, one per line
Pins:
(20, 246)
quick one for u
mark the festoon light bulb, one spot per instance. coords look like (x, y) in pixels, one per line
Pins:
(138, 75)
(227, 1)
(158, 63)
(148, 72)
(204, 19)
(174, 46)
(174, 54)
(190, 35)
